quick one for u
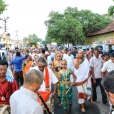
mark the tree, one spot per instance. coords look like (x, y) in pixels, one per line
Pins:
(90, 21)
(31, 39)
(109, 16)
(64, 28)
(46, 41)
(73, 25)
(111, 10)
(2, 6)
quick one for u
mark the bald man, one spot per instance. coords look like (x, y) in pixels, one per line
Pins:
(24, 101)
(82, 70)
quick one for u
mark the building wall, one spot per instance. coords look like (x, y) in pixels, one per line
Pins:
(100, 38)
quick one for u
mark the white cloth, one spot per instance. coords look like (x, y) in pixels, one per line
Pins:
(70, 60)
(52, 77)
(52, 54)
(83, 71)
(32, 55)
(97, 63)
(89, 88)
(9, 72)
(49, 60)
(24, 101)
(82, 89)
(39, 54)
(85, 88)
(47, 53)
(64, 56)
(109, 66)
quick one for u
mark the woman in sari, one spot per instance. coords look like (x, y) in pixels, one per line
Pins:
(26, 66)
(57, 68)
(66, 86)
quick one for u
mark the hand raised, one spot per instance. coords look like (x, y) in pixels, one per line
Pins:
(77, 56)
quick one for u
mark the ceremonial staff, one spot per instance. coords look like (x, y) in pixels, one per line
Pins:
(47, 109)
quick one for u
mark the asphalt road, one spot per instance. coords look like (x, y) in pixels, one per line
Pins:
(90, 107)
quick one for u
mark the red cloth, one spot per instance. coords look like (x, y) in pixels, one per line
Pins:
(46, 78)
(45, 95)
(6, 89)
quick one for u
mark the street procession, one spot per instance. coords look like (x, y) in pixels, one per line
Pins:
(57, 57)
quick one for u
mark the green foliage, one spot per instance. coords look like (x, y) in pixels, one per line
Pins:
(2, 6)
(90, 21)
(111, 10)
(109, 16)
(46, 41)
(31, 39)
(73, 25)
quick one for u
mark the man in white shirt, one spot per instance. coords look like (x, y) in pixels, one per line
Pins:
(70, 60)
(53, 53)
(108, 66)
(52, 78)
(96, 64)
(65, 53)
(24, 101)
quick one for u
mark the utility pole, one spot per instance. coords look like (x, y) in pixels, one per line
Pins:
(5, 22)
(5, 28)
(17, 34)
(17, 41)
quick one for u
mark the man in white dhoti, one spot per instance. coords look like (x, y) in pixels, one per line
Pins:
(49, 76)
(82, 72)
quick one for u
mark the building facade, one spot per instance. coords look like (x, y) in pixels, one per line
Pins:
(7, 42)
(105, 35)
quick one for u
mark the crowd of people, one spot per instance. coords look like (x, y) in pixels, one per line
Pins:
(27, 71)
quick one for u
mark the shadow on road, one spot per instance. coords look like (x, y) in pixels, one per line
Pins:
(90, 108)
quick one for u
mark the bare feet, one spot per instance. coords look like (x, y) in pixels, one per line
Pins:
(65, 112)
(60, 105)
(70, 106)
(94, 102)
(83, 110)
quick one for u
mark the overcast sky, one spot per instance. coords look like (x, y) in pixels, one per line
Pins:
(28, 16)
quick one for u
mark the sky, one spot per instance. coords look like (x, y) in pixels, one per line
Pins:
(28, 16)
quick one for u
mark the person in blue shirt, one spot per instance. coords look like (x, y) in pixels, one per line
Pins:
(74, 52)
(17, 62)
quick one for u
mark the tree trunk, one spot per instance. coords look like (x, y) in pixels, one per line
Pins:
(68, 42)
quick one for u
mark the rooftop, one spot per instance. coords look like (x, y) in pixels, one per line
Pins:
(108, 29)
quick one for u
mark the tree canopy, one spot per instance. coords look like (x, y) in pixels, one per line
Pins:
(111, 10)
(2, 6)
(73, 25)
(31, 39)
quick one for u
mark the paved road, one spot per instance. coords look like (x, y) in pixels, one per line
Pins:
(90, 107)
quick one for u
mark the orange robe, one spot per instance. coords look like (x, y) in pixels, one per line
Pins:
(26, 68)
